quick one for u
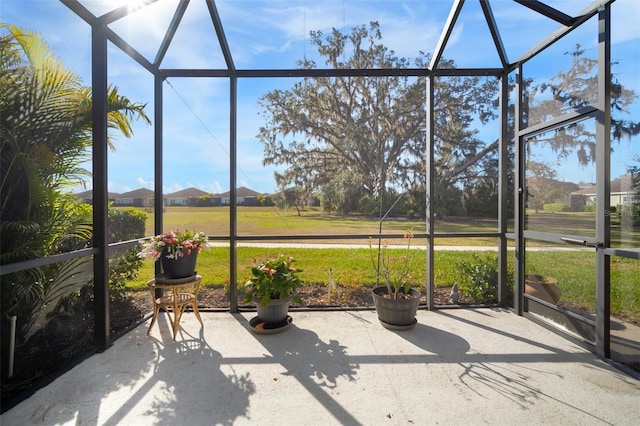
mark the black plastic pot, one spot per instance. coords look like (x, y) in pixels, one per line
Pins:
(181, 267)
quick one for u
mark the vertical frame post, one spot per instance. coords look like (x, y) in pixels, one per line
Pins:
(100, 197)
(503, 187)
(158, 155)
(429, 189)
(233, 226)
(603, 183)
(158, 143)
(520, 195)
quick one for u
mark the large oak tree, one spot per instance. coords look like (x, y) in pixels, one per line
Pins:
(352, 137)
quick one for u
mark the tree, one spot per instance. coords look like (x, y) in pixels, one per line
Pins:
(368, 128)
(291, 197)
(630, 213)
(45, 135)
(356, 137)
(634, 172)
(570, 91)
(353, 137)
(542, 185)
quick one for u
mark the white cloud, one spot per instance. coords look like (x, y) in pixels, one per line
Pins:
(211, 187)
(144, 183)
(117, 187)
(174, 187)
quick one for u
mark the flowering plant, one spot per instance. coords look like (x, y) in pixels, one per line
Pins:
(396, 271)
(274, 278)
(176, 244)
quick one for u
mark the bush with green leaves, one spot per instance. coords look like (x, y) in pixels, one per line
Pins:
(32, 295)
(555, 207)
(478, 279)
(124, 224)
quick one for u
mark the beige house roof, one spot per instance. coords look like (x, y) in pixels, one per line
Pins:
(241, 192)
(623, 184)
(136, 193)
(187, 193)
(87, 195)
(183, 193)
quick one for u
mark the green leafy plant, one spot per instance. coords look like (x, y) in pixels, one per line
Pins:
(555, 207)
(124, 224)
(274, 278)
(478, 278)
(396, 271)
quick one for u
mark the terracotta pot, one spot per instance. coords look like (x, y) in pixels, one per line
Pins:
(396, 313)
(181, 267)
(542, 287)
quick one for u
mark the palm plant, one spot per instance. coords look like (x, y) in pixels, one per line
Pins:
(45, 137)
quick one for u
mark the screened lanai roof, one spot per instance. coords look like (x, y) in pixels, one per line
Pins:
(272, 35)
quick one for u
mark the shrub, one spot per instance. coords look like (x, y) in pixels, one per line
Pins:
(124, 224)
(555, 207)
(478, 279)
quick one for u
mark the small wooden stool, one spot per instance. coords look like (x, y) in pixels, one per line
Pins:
(176, 294)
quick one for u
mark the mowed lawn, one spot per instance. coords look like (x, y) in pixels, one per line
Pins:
(272, 221)
(268, 221)
(350, 264)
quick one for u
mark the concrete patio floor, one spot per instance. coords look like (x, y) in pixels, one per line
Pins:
(459, 367)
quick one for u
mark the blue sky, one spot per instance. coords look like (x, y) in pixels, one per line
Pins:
(274, 34)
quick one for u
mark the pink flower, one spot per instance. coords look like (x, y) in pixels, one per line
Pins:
(177, 244)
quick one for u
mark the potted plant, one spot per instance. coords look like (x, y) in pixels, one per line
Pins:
(177, 250)
(396, 302)
(542, 287)
(273, 286)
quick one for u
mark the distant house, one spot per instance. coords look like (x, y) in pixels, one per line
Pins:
(623, 193)
(584, 196)
(187, 197)
(244, 197)
(141, 197)
(87, 196)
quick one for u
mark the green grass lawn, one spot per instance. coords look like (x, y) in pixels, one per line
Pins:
(271, 221)
(352, 267)
(256, 221)
(576, 274)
